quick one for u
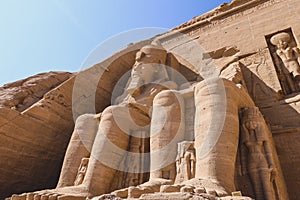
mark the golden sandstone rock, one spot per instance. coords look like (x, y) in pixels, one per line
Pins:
(209, 108)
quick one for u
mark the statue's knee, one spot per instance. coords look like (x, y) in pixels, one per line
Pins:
(87, 119)
(167, 98)
(111, 112)
(107, 113)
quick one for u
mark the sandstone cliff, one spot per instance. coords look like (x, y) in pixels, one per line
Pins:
(22, 94)
(32, 133)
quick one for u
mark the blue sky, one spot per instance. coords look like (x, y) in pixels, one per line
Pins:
(57, 35)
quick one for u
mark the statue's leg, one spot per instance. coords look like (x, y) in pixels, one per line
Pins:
(111, 145)
(167, 129)
(108, 149)
(291, 82)
(268, 188)
(217, 104)
(80, 146)
(257, 185)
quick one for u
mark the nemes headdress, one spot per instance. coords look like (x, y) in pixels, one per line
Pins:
(156, 50)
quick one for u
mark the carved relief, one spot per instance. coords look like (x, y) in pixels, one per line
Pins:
(226, 13)
(260, 77)
(137, 145)
(285, 55)
(185, 161)
(257, 157)
(81, 171)
(234, 73)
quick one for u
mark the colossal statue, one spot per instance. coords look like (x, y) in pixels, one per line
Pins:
(105, 137)
(152, 102)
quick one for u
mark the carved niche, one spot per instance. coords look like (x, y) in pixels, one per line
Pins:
(285, 55)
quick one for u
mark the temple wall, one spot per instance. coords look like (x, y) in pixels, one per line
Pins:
(247, 28)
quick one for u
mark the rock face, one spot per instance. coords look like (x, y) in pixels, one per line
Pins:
(223, 117)
(29, 134)
(22, 94)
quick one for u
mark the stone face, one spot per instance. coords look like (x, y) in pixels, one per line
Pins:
(233, 125)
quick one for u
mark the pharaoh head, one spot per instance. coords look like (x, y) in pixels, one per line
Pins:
(149, 67)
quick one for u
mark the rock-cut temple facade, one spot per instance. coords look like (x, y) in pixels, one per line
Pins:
(207, 110)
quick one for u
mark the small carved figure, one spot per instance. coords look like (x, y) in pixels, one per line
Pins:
(289, 56)
(258, 161)
(185, 162)
(81, 171)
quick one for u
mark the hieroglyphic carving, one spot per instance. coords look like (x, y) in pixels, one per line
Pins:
(260, 76)
(217, 17)
(234, 73)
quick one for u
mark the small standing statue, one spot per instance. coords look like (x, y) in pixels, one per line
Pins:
(257, 154)
(185, 162)
(81, 171)
(290, 58)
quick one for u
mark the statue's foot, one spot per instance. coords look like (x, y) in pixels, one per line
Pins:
(149, 187)
(65, 193)
(208, 187)
(188, 190)
(122, 193)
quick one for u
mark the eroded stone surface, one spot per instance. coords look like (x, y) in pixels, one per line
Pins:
(22, 94)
